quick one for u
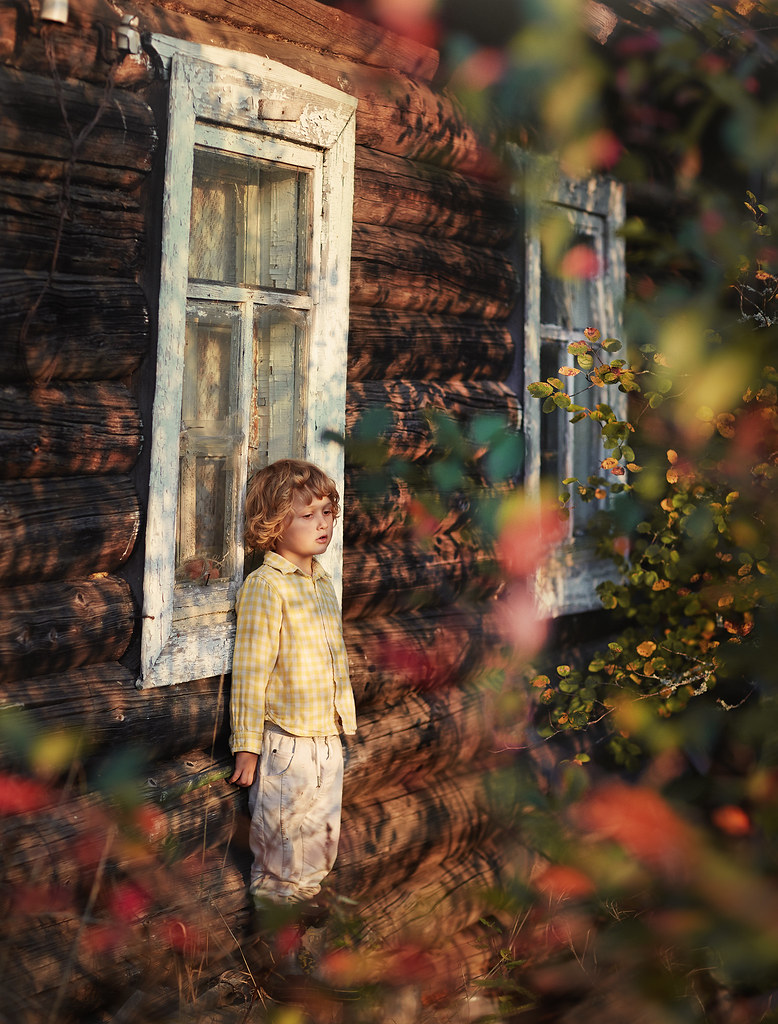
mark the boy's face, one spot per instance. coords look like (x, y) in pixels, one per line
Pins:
(307, 532)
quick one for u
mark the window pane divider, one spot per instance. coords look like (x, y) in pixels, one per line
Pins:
(259, 296)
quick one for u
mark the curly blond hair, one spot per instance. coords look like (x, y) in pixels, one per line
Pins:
(270, 495)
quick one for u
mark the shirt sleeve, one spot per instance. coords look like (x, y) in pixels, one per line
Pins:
(259, 611)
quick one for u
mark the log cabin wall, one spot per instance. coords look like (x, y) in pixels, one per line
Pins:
(432, 291)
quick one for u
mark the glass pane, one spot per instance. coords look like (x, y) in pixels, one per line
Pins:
(250, 222)
(567, 450)
(552, 424)
(209, 443)
(280, 338)
(587, 454)
(570, 274)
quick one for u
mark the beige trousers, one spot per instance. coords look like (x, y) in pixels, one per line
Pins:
(295, 805)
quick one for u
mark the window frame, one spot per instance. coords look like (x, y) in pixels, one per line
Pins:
(213, 91)
(566, 583)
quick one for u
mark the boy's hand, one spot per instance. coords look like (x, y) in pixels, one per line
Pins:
(245, 767)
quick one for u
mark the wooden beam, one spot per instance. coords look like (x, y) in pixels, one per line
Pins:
(409, 408)
(68, 430)
(394, 191)
(40, 117)
(422, 650)
(83, 230)
(446, 898)
(405, 739)
(383, 580)
(70, 328)
(101, 704)
(387, 344)
(400, 270)
(319, 27)
(54, 627)
(96, 521)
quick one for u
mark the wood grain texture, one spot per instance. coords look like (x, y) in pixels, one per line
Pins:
(97, 523)
(70, 328)
(101, 704)
(314, 25)
(400, 270)
(409, 409)
(406, 740)
(84, 230)
(68, 430)
(40, 119)
(53, 627)
(414, 345)
(421, 650)
(389, 580)
(394, 191)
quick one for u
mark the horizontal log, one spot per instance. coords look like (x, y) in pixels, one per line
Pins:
(68, 429)
(397, 114)
(449, 898)
(392, 344)
(316, 26)
(70, 328)
(86, 231)
(406, 410)
(41, 118)
(54, 627)
(66, 527)
(75, 50)
(403, 741)
(389, 579)
(397, 510)
(101, 705)
(384, 509)
(402, 116)
(421, 650)
(399, 270)
(416, 828)
(62, 842)
(398, 192)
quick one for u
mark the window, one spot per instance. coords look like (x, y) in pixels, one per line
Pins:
(574, 265)
(253, 322)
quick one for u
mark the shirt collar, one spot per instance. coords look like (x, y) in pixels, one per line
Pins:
(283, 565)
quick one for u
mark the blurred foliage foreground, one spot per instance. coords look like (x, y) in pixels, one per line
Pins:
(649, 787)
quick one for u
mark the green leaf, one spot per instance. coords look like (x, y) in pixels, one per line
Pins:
(540, 390)
(612, 345)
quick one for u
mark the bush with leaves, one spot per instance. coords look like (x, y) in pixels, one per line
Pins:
(697, 573)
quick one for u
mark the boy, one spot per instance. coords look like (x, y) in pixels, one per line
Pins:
(291, 695)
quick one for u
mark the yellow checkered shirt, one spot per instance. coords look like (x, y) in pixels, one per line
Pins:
(290, 665)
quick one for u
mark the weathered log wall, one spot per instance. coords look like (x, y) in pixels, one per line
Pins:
(432, 291)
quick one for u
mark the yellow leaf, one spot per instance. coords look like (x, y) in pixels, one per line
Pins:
(646, 649)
